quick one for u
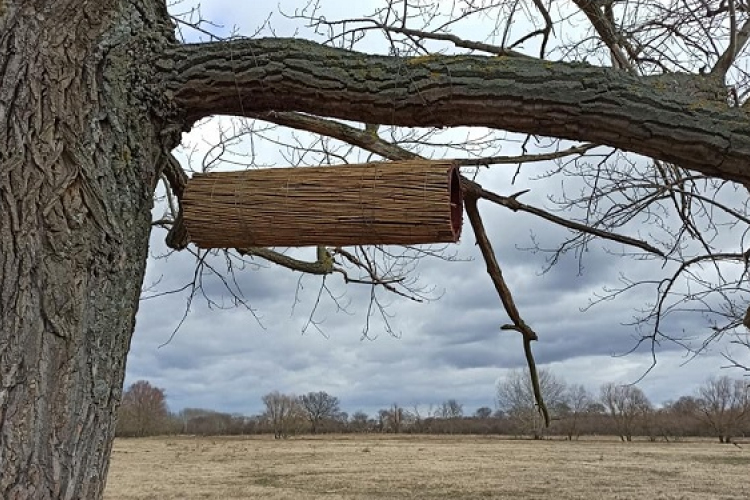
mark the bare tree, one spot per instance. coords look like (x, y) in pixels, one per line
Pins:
(144, 410)
(483, 412)
(684, 417)
(318, 407)
(450, 408)
(628, 407)
(515, 395)
(359, 422)
(96, 94)
(282, 412)
(449, 411)
(420, 423)
(723, 405)
(393, 419)
(573, 408)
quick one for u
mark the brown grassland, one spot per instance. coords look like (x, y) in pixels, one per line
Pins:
(422, 467)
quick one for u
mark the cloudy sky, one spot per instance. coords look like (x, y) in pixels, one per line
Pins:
(226, 358)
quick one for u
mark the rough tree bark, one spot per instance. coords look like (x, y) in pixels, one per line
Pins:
(81, 141)
(93, 94)
(679, 118)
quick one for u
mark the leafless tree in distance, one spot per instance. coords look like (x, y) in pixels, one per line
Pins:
(318, 407)
(144, 410)
(628, 407)
(515, 395)
(724, 405)
(283, 412)
(573, 409)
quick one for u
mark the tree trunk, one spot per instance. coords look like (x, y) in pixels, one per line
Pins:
(80, 146)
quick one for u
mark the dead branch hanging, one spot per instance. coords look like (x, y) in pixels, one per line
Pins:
(496, 274)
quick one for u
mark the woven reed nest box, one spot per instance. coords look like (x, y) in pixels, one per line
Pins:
(389, 203)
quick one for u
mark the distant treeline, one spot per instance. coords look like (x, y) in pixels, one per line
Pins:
(720, 408)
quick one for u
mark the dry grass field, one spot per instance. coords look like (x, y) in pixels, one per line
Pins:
(424, 467)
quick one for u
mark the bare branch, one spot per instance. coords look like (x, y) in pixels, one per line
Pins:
(512, 203)
(370, 142)
(738, 40)
(361, 138)
(606, 30)
(496, 274)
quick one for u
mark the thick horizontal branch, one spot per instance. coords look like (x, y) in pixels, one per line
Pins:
(654, 116)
